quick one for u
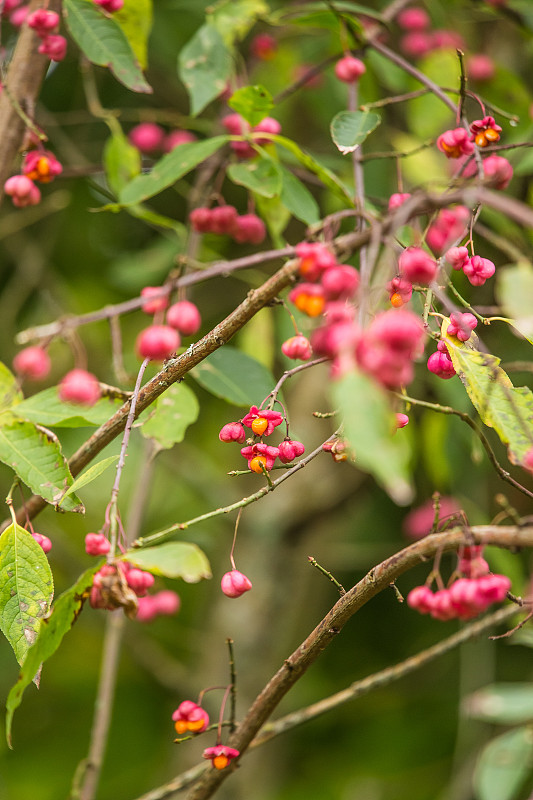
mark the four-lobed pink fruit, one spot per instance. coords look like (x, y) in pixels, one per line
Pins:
(234, 583)
(349, 69)
(79, 386)
(33, 363)
(157, 342)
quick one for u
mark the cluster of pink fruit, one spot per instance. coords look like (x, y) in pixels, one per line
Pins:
(259, 455)
(46, 24)
(139, 581)
(158, 342)
(386, 349)
(150, 138)
(458, 144)
(226, 220)
(418, 40)
(237, 126)
(468, 596)
(39, 165)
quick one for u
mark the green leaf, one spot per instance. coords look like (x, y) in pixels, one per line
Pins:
(276, 216)
(251, 102)
(45, 408)
(89, 475)
(504, 765)
(38, 461)
(502, 406)
(514, 290)
(173, 560)
(52, 630)
(10, 393)
(169, 169)
(349, 129)
(297, 198)
(204, 65)
(262, 176)
(122, 161)
(103, 42)
(327, 177)
(502, 703)
(234, 376)
(305, 13)
(370, 429)
(135, 19)
(174, 411)
(233, 19)
(26, 588)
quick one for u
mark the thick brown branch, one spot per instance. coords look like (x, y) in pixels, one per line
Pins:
(379, 578)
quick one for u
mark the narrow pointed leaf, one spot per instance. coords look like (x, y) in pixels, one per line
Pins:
(370, 429)
(174, 411)
(103, 41)
(173, 560)
(26, 588)
(234, 376)
(204, 65)
(169, 169)
(64, 614)
(349, 129)
(89, 475)
(38, 461)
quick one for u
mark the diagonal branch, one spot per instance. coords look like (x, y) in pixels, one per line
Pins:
(379, 578)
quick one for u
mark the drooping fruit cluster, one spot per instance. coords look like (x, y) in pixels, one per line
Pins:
(465, 599)
(118, 586)
(46, 24)
(468, 596)
(418, 39)
(226, 220)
